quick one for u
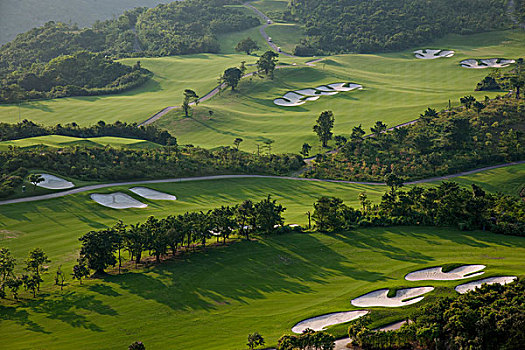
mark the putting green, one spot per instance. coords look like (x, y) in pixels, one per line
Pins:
(218, 297)
(64, 141)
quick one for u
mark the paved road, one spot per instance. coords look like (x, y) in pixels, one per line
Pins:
(218, 177)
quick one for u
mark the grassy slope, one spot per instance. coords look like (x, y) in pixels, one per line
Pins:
(64, 141)
(219, 296)
(398, 88)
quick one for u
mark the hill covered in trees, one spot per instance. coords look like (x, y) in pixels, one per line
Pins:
(440, 143)
(340, 26)
(57, 59)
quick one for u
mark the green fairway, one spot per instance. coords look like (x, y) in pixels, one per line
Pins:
(397, 88)
(220, 296)
(64, 141)
(285, 35)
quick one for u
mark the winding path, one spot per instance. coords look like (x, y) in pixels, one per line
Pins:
(218, 177)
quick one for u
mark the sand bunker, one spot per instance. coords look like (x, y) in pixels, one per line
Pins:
(429, 54)
(320, 323)
(436, 273)
(486, 63)
(117, 200)
(463, 288)
(299, 97)
(54, 183)
(380, 297)
(148, 193)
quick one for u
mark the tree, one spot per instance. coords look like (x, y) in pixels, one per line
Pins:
(231, 77)
(340, 140)
(7, 265)
(268, 214)
(479, 106)
(244, 214)
(467, 101)
(35, 179)
(363, 199)
(378, 128)
(247, 45)
(98, 248)
(394, 182)
(268, 144)
(517, 83)
(60, 278)
(35, 265)
(138, 345)
(267, 63)
(254, 340)
(328, 213)
(32, 283)
(14, 283)
(189, 97)
(237, 142)
(80, 270)
(305, 150)
(323, 127)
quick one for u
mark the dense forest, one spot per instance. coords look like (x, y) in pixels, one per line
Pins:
(107, 164)
(80, 74)
(340, 26)
(445, 205)
(27, 129)
(490, 317)
(475, 135)
(57, 60)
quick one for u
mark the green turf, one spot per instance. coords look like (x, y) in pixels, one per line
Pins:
(269, 6)
(397, 88)
(220, 296)
(285, 35)
(64, 141)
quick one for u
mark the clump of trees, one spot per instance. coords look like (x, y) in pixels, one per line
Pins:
(309, 339)
(266, 63)
(95, 163)
(28, 128)
(160, 237)
(79, 74)
(445, 205)
(481, 133)
(383, 25)
(511, 79)
(490, 317)
(31, 280)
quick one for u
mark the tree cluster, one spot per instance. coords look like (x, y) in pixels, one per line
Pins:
(79, 74)
(27, 129)
(34, 268)
(490, 317)
(341, 26)
(106, 164)
(308, 340)
(101, 249)
(439, 143)
(445, 205)
(511, 79)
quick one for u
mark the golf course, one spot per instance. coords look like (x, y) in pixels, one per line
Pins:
(186, 213)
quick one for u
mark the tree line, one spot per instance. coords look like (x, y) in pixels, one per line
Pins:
(342, 26)
(447, 204)
(107, 163)
(160, 237)
(26, 128)
(480, 133)
(490, 317)
(511, 79)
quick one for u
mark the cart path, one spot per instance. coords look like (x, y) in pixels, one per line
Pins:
(219, 177)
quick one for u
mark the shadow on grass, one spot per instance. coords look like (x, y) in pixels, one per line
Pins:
(63, 308)
(20, 317)
(243, 272)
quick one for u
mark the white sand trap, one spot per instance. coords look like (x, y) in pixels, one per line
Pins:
(380, 298)
(429, 54)
(436, 273)
(320, 323)
(117, 200)
(486, 63)
(299, 97)
(467, 287)
(54, 183)
(148, 193)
